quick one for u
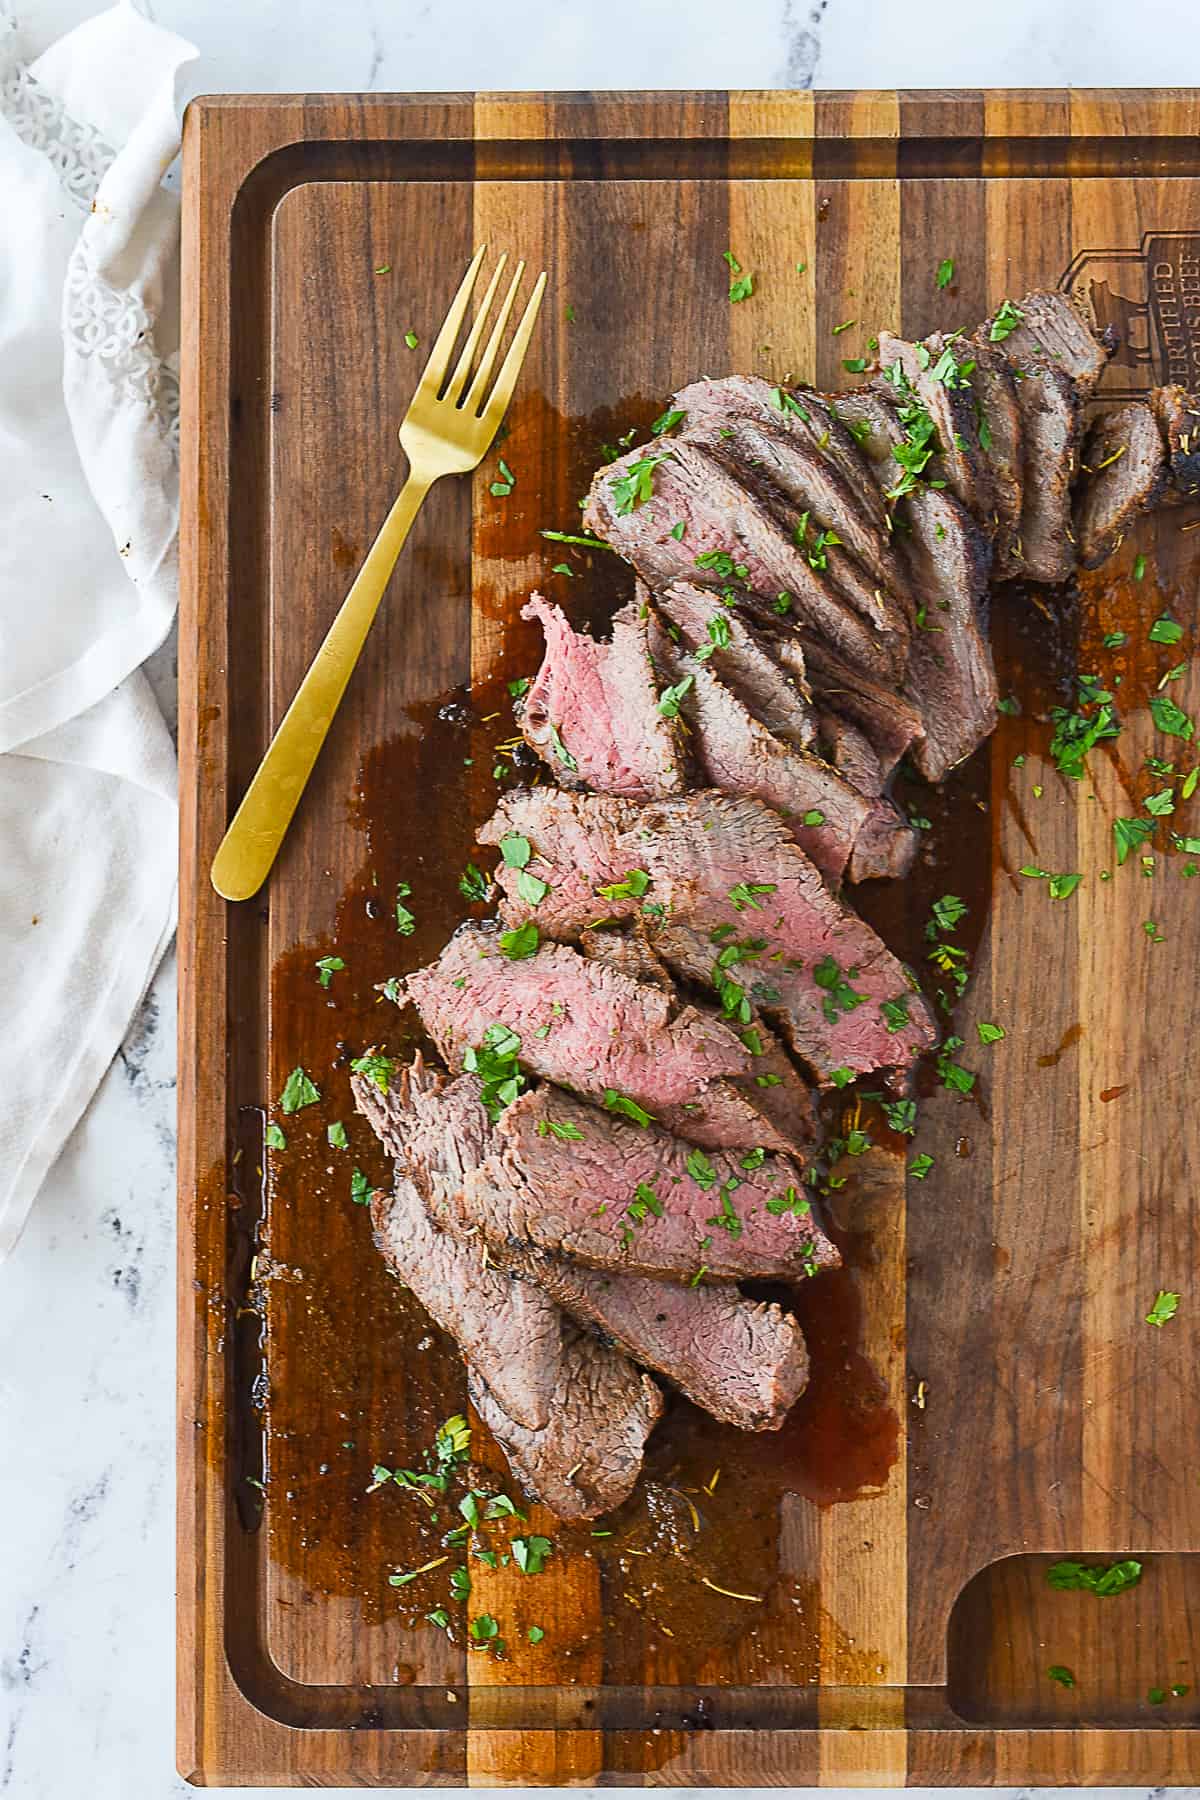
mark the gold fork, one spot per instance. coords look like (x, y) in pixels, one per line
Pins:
(446, 431)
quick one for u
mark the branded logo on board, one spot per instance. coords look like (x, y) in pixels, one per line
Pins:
(1151, 297)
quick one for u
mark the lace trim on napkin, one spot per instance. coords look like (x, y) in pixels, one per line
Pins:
(102, 321)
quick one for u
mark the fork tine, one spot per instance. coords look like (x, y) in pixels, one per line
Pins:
(458, 380)
(510, 368)
(479, 385)
(439, 357)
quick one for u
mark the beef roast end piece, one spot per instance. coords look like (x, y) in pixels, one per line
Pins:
(586, 1459)
(1124, 468)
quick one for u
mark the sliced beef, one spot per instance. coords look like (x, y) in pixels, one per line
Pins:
(885, 847)
(952, 679)
(738, 655)
(586, 1460)
(938, 375)
(891, 723)
(599, 703)
(506, 1328)
(851, 754)
(636, 1198)
(729, 867)
(847, 500)
(582, 1024)
(999, 418)
(1053, 331)
(627, 951)
(743, 1361)
(739, 756)
(1051, 422)
(777, 1106)
(764, 454)
(572, 1414)
(1178, 415)
(1124, 469)
(731, 534)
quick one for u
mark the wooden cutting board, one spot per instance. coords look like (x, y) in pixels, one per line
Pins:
(987, 1393)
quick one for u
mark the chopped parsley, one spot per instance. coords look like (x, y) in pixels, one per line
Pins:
(519, 686)
(298, 1091)
(336, 1136)
(1171, 719)
(667, 421)
(951, 1074)
(945, 272)
(669, 699)
(901, 1115)
(327, 967)
(484, 1629)
(1103, 1579)
(530, 1554)
(376, 1067)
(560, 749)
(677, 531)
(636, 485)
(920, 1165)
(989, 1034)
(700, 1169)
(520, 943)
(506, 483)
(494, 1061)
(274, 1137)
(895, 1013)
(840, 997)
(1077, 732)
(1058, 1672)
(721, 563)
(743, 894)
(1129, 833)
(406, 924)
(531, 888)
(1164, 630)
(621, 1103)
(813, 817)
(1113, 640)
(535, 1634)
(473, 884)
(631, 888)
(782, 401)
(360, 1188)
(788, 1202)
(1165, 1307)
(727, 1219)
(562, 1129)
(1007, 318)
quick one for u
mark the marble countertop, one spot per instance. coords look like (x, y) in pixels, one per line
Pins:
(86, 1302)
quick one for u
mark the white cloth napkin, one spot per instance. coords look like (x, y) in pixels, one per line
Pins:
(89, 342)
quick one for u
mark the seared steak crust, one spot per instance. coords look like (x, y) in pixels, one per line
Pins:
(1124, 470)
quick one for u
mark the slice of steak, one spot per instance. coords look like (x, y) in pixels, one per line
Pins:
(581, 1023)
(730, 534)
(769, 1107)
(737, 755)
(938, 375)
(1178, 415)
(850, 752)
(952, 679)
(572, 1414)
(508, 1329)
(743, 1361)
(737, 654)
(885, 847)
(617, 1195)
(891, 723)
(763, 454)
(1124, 470)
(1052, 331)
(1051, 425)
(598, 703)
(627, 951)
(586, 1459)
(729, 867)
(999, 419)
(811, 422)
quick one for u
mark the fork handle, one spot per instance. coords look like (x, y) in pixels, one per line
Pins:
(260, 824)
